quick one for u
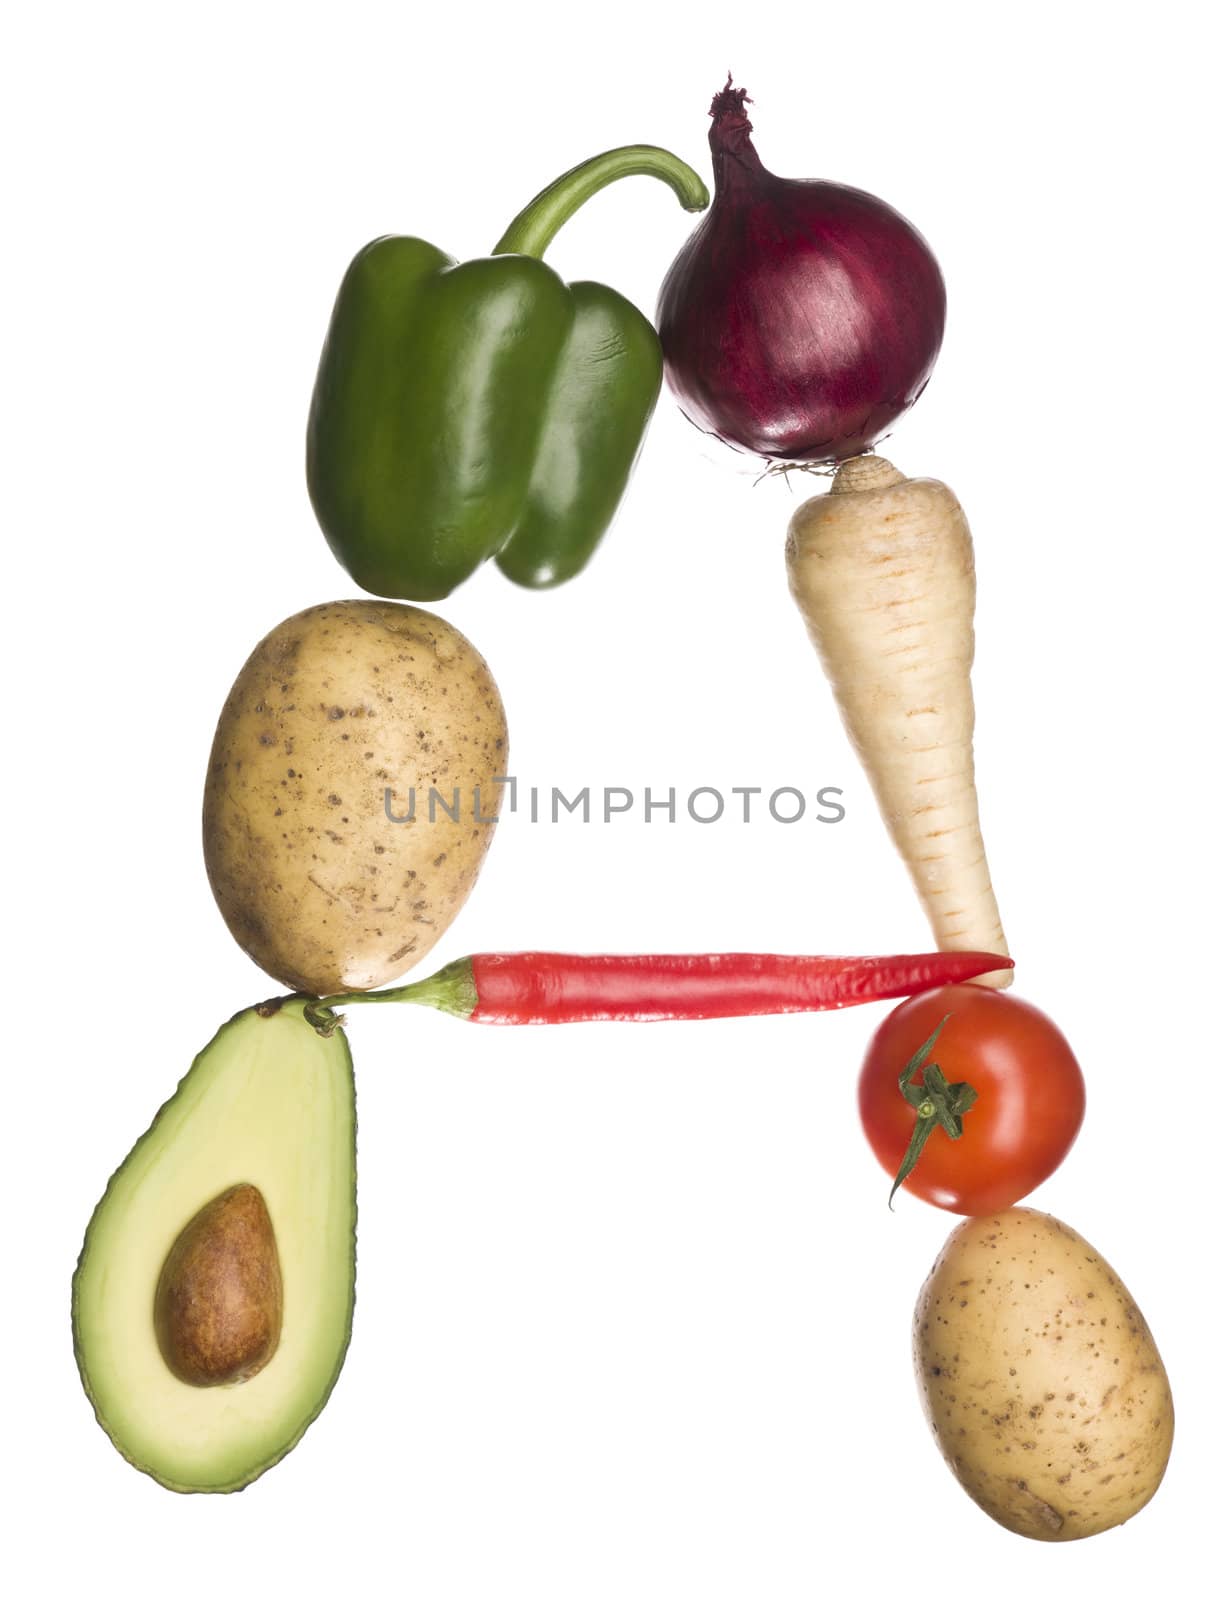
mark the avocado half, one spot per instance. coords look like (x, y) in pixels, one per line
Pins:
(271, 1103)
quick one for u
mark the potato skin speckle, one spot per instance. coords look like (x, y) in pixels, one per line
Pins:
(334, 707)
(1040, 1379)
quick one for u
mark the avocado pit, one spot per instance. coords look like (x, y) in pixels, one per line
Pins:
(219, 1303)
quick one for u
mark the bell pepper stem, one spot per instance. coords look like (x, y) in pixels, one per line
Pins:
(534, 227)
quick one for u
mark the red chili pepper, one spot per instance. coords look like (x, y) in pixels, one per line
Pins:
(535, 986)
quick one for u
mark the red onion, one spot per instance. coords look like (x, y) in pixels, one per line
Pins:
(800, 318)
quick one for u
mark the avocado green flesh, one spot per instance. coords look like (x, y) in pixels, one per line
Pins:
(271, 1103)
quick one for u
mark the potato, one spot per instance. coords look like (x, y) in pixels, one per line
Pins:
(338, 704)
(1039, 1378)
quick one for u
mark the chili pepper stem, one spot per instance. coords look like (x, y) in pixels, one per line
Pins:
(534, 227)
(452, 990)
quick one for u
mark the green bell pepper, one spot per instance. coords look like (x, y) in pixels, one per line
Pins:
(464, 411)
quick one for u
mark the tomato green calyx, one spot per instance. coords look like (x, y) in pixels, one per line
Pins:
(937, 1104)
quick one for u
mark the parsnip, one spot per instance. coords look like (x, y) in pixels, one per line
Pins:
(883, 570)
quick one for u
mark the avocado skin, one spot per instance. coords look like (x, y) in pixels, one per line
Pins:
(281, 1005)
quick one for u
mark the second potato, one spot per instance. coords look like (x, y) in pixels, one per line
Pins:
(336, 706)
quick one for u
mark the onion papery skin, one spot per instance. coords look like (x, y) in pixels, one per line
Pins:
(801, 318)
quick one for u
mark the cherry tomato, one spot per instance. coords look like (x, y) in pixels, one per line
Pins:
(1031, 1097)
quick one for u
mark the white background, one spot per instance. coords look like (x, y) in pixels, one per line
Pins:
(633, 1317)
